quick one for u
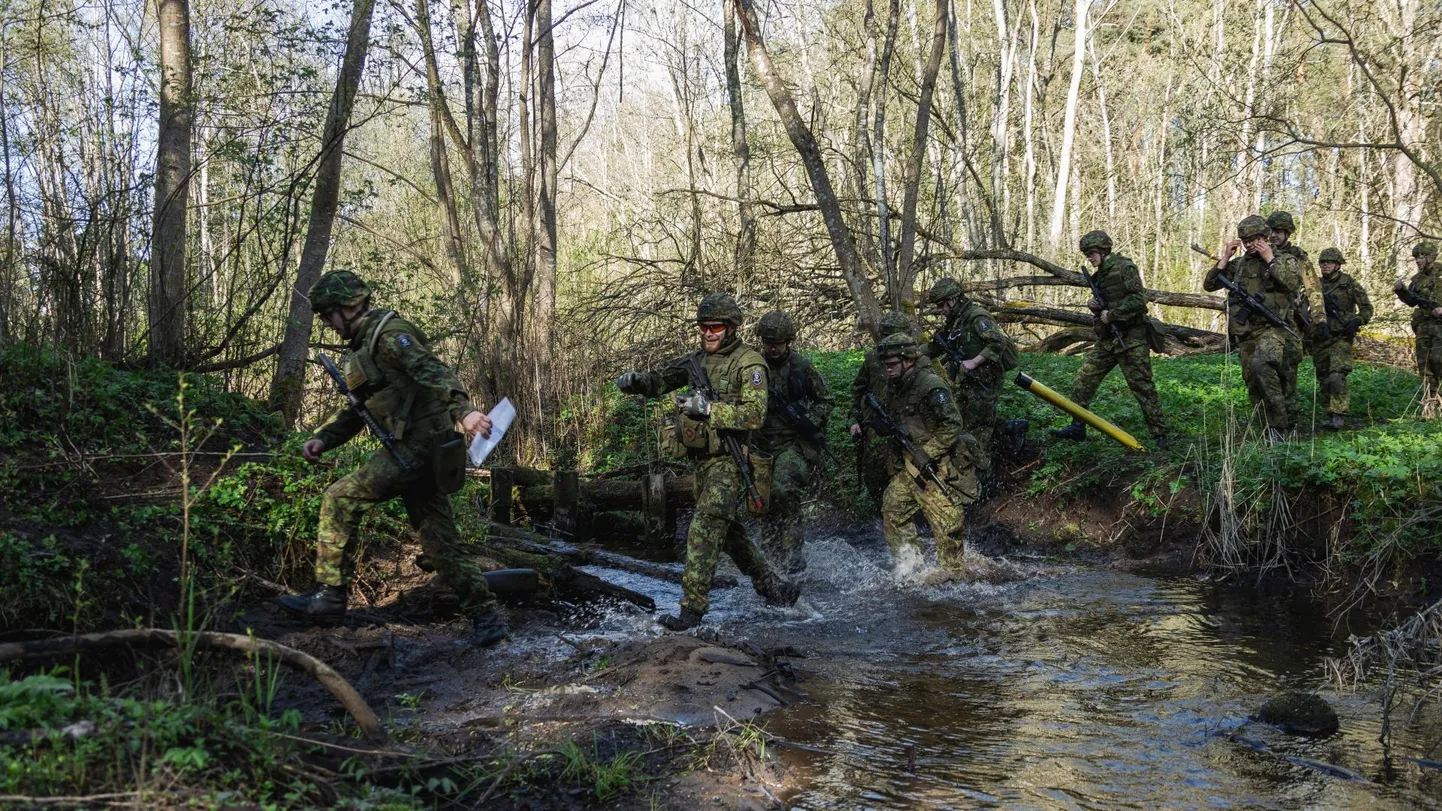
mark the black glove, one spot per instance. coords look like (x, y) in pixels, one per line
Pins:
(1354, 324)
(923, 461)
(629, 382)
(1321, 331)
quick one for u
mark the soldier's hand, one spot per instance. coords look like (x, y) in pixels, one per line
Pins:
(1106, 316)
(629, 382)
(1322, 331)
(1229, 249)
(856, 430)
(1437, 313)
(1400, 285)
(1354, 325)
(312, 449)
(476, 423)
(695, 405)
(1094, 305)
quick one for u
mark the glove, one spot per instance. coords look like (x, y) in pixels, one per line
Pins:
(695, 406)
(629, 382)
(1353, 326)
(923, 461)
(1321, 331)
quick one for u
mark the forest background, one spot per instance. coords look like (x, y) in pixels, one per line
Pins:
(549, 190)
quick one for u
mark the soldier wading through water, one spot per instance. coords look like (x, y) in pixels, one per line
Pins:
(417, 400)
(737, 376)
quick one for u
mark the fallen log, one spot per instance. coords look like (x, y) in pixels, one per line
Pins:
(601, 495)
(590, 556)
(564, 579)
(329, 679)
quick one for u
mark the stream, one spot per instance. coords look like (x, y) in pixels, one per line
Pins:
(1078, 687)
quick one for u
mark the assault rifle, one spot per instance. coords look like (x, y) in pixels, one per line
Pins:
(777, 401)
(901, 435)
(1419, 301)
(358, 406)
(1097, 294)
(954, 357)
(1250, 301)
(701, 384)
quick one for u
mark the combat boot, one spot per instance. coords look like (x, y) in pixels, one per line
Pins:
(1076, 432)
(684, 621)
(1162, 442)
(324, 605)
(783, 593)
(486, 630)
(1337, 422)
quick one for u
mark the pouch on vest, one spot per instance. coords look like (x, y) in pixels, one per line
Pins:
(670, 438)
(1010, 356)
(694, 434)
(763, 465)
(448, 462)
(1156, 335)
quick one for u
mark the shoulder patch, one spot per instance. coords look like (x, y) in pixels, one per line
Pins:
(404, 341)
(941, 397)
(758, 380)
(985, 324)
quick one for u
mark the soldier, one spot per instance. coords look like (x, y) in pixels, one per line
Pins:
(1123, 338)
(1424, 292)
(1274, 276)
(871, 377)
(920, 401)
(417, 399)
(1347, 308)
(737, 375)
(975, 353)
(794, 436)
(1308, 317)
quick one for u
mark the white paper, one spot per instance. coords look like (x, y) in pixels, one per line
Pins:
(501, 417)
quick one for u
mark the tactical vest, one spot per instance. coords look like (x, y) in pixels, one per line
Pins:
(1340, 298)
(1426, 283)
(962, 329)
(788, 381)
(726, 370)
(390, 395)
(1249, 273)
(908, 404)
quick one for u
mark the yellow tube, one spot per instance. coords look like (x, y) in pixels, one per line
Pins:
(1050, 395)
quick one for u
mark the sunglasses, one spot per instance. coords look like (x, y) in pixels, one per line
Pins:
(711, 329)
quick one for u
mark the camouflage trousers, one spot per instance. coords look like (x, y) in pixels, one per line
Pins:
(1136, 363)
(876, 465)
(717, 527)
(793, 478)
(1333, 362)
(1261, 355)
(1292, 353)
(381, 479)
(904, 497)
(976, 398)
(1429, 365)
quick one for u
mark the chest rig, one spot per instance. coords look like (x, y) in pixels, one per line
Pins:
(389, 394)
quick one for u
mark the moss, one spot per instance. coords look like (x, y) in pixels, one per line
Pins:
(1299, 714)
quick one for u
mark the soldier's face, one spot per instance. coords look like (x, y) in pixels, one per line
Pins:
(944, 308)
(895, 367)
(1329, 267)
(1254, 243)
(777, 351)
(1422, 262)
(1094, 258)
(1278, 237)
(713, 334)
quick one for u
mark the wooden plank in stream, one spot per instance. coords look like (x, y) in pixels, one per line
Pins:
(566, 507)
(502, 479)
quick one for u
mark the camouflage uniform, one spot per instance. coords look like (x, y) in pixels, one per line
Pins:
(1347, 309)
(417, 399)
(1307, 310)
(970, 330)
(1261, 346)
(795, 458)
(738, 375)
(1121, 287)
(922, 402)
(871, 377)
(1426, 283)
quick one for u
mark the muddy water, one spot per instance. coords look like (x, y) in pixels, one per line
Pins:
(1075, 688)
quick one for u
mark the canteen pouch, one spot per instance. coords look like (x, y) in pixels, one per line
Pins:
(670, 438)
(762, 466)
(695, 435)
(1156, 336)
(448, 462)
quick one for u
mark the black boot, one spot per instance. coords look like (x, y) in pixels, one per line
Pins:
(486, 630)
(325, 604)
(1076, 432)
(784, 593)
(684, 621)
(1162, 442)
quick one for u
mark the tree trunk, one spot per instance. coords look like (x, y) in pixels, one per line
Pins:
(1064, 165)
(905, 273)
(881, 79)
(169, 302)
(842, 241)
(745, 209)
(289, 383)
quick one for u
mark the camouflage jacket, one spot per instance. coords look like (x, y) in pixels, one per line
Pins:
(1122, 293)
(1344, 298)
(737, 373)
(1309, 301)
(405, 387)
(922, 401)
(1427, 284)
(871, 377)
(793, 380)
(971, 330)
(1277, 283)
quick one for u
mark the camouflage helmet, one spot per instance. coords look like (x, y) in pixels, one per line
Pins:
(1252, 226)
(1095, 240)
(1331, 255)
(894, 322)
(336, 289)
(945, 290)
(719, 307)
(1428, 249)
(897, 345)
(776, 327)
(1281, 221)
